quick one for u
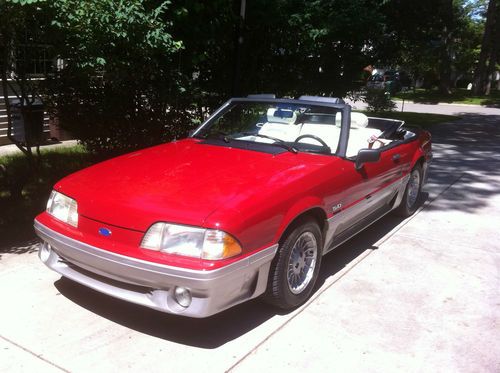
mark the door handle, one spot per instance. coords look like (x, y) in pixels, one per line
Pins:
(396, 157)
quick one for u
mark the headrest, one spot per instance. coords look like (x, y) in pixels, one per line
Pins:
(279, 115)
(359, 120)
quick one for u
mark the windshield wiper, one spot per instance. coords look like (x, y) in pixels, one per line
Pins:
(277, 141)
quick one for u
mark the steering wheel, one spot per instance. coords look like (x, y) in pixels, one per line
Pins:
(323, 144)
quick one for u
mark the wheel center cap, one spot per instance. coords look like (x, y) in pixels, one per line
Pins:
(299, 265)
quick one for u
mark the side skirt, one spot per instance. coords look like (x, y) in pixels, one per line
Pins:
(358, 227)
(366, 221)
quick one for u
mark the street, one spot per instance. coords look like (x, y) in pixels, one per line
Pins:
(414, 295)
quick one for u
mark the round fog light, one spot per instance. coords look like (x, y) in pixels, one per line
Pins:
(182, 296)
(44, 251)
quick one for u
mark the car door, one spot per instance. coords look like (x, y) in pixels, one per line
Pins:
(367, 193)
(381, 180)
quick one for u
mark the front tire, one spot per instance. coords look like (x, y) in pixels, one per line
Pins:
(409, 203)
(296, 266)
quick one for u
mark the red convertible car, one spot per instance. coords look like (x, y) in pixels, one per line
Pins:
(246, 206)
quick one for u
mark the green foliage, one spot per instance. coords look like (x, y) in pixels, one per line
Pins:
(56, 163)
(435, 40)
(31, 194)
(378, 101)
(137, 75)
(111, 33)
(23, 26)
(116, 90)
(141, 72)
(290, 47)
(316, 47)
(205, 64)
(422, 120)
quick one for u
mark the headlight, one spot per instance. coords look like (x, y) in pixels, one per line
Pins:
(190, 241)
(63, 208)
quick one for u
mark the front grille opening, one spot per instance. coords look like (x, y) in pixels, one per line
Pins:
(110, 281)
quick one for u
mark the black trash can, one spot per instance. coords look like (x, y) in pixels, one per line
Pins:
(27, 121)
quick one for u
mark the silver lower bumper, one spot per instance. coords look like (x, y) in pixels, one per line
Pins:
(151, 284)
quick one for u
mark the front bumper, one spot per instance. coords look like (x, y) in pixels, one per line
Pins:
(151, 284)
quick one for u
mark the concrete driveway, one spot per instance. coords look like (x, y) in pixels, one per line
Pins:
(421, 294)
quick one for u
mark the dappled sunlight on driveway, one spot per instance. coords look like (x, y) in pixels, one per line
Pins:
(468, 152)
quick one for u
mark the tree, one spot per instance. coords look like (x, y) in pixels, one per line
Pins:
(205, 63)
(489, 56)
(318, 47)
(119, 82)
(290, 47)
(144, 71)
(432, 39)
(136, 73)
(23, 26)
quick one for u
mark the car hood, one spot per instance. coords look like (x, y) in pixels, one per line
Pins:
(181, 182)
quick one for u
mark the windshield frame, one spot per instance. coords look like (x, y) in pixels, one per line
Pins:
(343, 108)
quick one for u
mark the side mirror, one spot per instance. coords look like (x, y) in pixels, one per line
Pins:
(365, 156)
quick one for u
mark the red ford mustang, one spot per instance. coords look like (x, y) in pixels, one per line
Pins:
(246, 206)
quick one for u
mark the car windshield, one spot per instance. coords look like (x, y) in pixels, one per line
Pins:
(292, 127)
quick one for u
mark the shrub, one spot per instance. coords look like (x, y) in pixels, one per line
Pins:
(378, 101)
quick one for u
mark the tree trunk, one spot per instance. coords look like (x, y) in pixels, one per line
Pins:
(488, 43)
(446, 49)
(494, 56)
(240, 28)
(445, 77)
(5, 68)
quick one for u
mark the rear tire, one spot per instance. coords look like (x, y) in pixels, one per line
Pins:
(296, 266)
(412, 195)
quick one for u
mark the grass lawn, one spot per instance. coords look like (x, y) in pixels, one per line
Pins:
(423, 120)
(458, 96)
(16, 214)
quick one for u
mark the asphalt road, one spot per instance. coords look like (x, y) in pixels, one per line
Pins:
(414, 295)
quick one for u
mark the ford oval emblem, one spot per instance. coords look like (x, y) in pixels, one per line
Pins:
(104, 232)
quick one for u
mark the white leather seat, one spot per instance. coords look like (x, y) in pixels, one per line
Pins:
(330, 134)
(326, 126)
(281, 125)
(359, 134)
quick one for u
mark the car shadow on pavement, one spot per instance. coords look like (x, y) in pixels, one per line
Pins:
(344, 254)
(221, 328)
(207, 333)
(366, 240)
